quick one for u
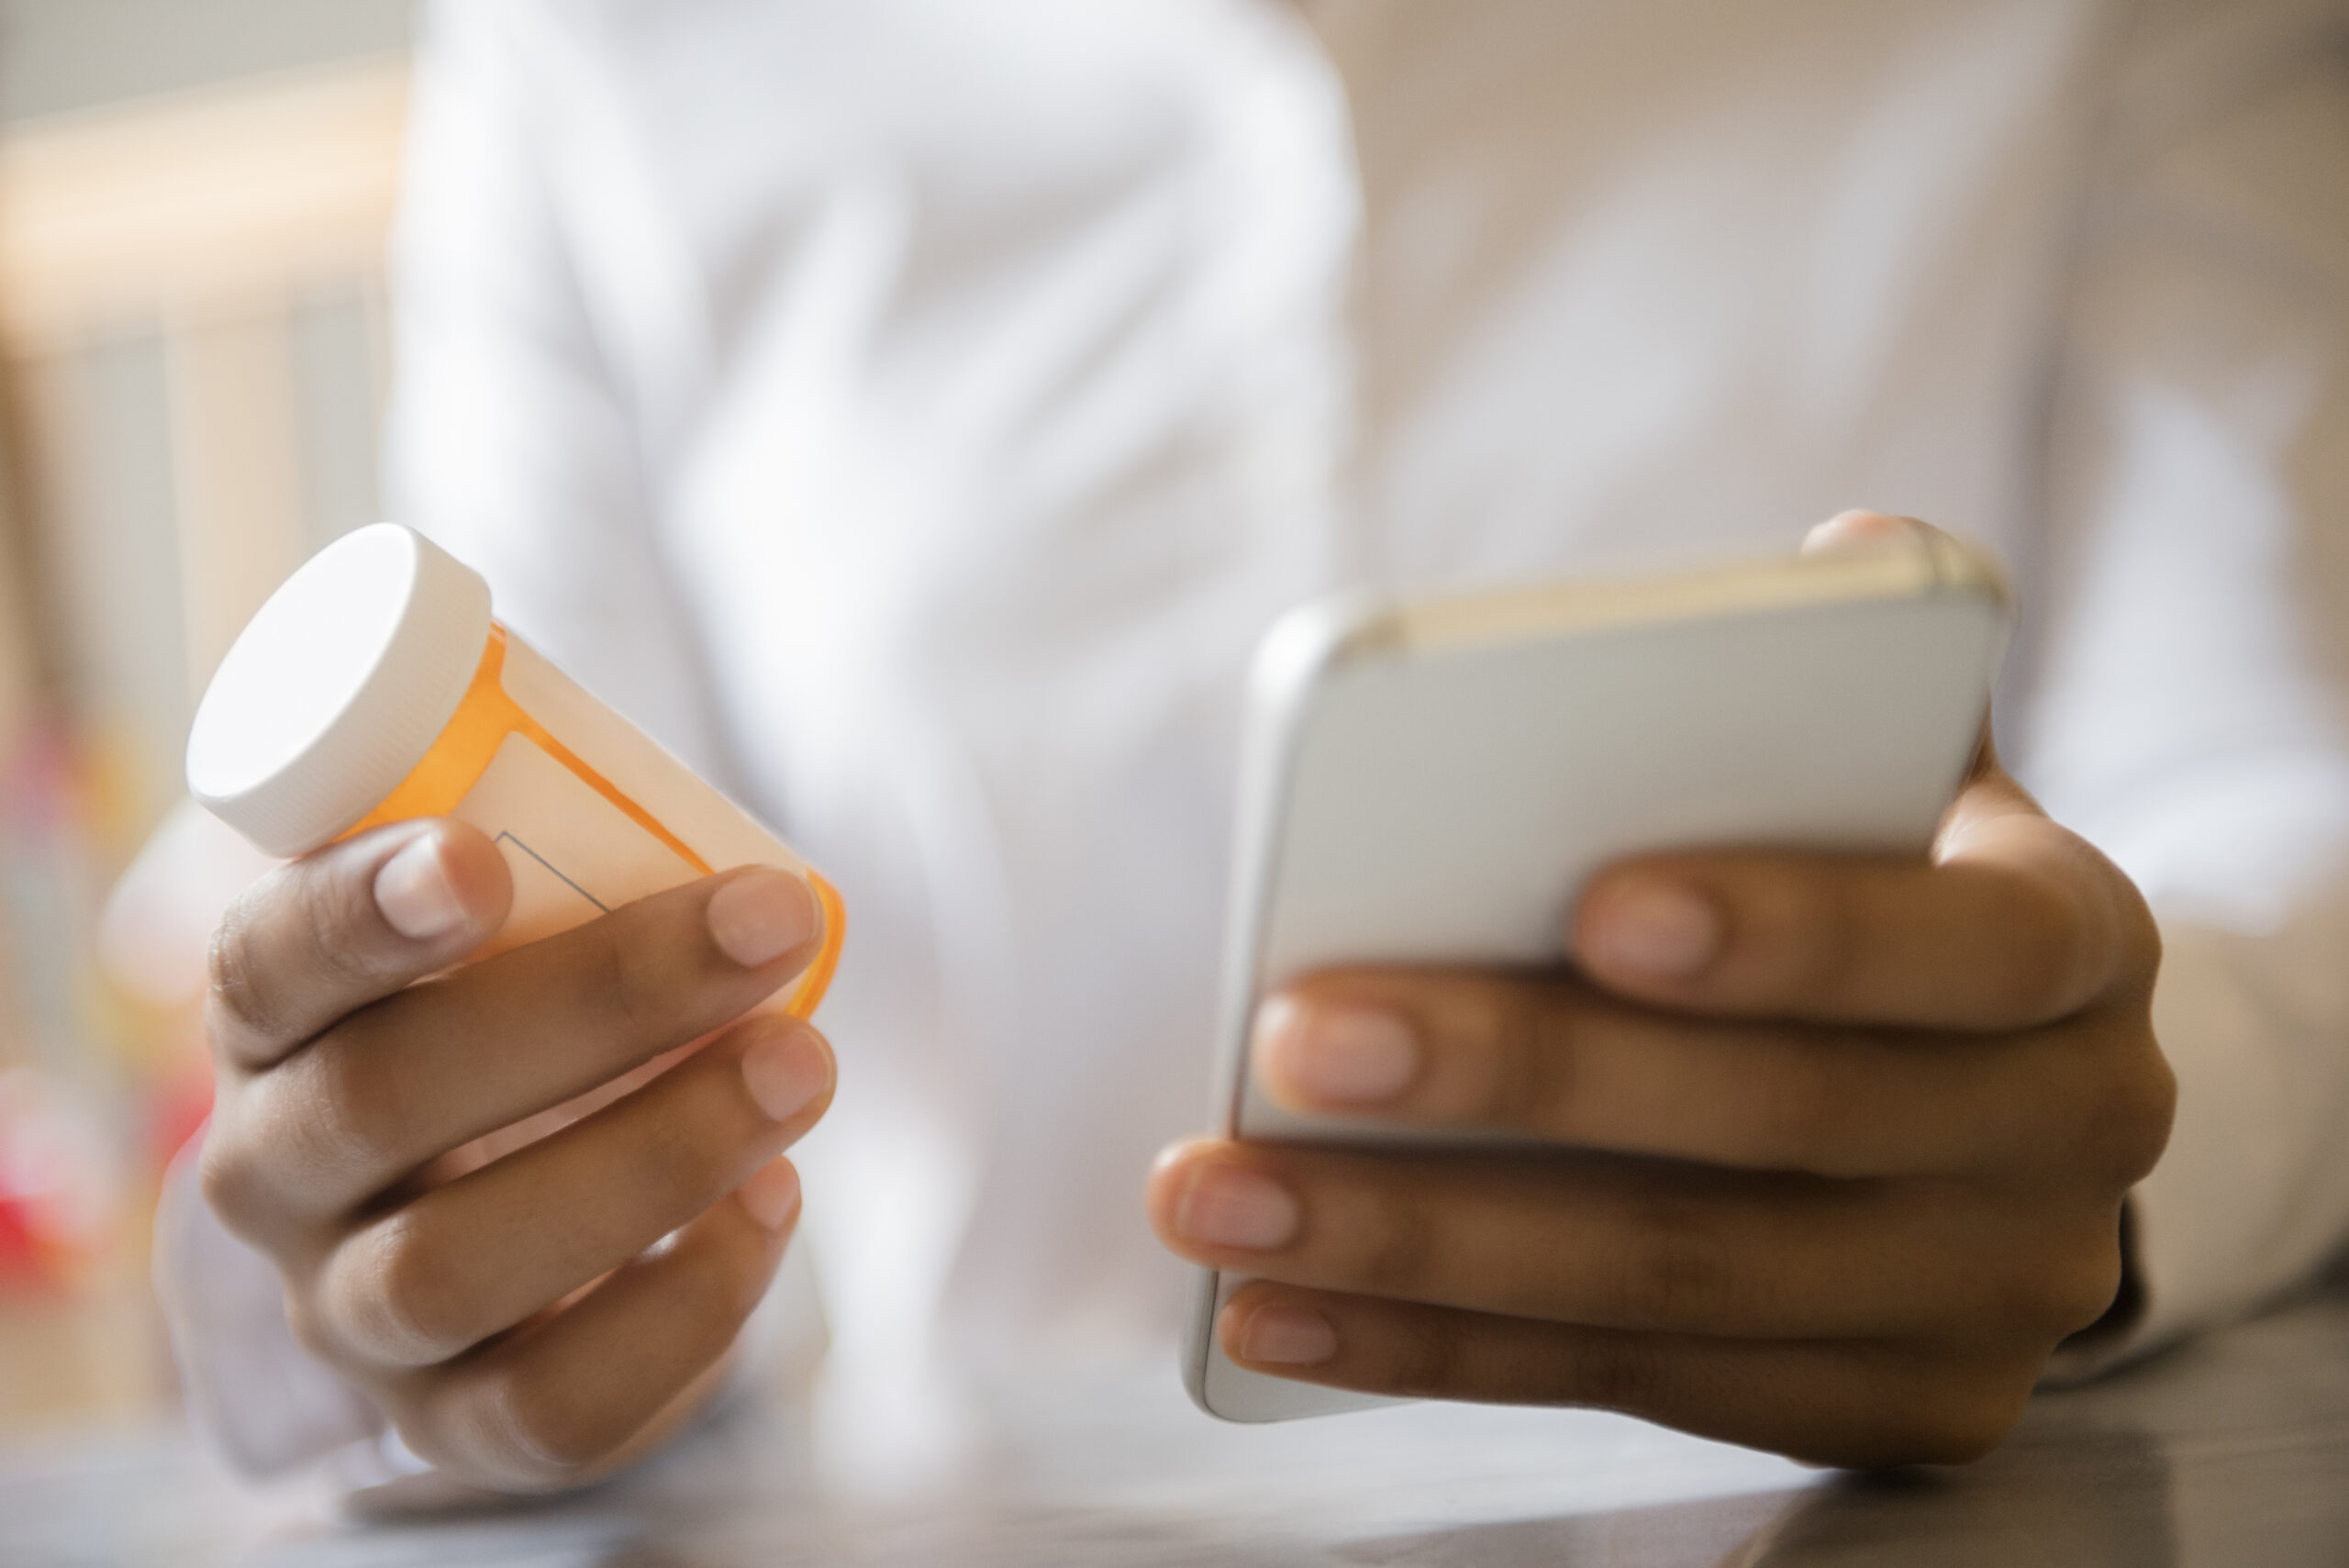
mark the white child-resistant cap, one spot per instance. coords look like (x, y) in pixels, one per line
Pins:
(337, 687)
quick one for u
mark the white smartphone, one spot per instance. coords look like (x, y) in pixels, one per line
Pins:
(1433, 783)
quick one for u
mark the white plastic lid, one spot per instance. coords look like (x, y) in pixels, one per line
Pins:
(337, 687)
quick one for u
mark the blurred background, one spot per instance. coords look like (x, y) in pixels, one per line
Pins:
(195, 196)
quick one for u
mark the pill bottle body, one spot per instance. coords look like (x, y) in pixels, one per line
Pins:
(397, 722)
(580, 837)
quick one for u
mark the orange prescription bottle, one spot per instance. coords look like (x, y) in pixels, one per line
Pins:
(374, 686)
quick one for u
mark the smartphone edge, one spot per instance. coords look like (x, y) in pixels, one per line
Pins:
(1294, 659)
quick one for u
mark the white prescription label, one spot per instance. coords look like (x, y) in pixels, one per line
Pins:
(572, 853)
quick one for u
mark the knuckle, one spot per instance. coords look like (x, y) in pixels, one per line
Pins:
(538, 1435)
(239, 988)
(2115, 1121)
(557, 1443)
(2141, 938)
(1402, 1250)
(332, 1111)
(2075, 1286)
(228, 1179)
(404, 1303)
(2042, 1288)
(1531, 1071)
(302, 938)
(2136, 1120)
(268, 1162)
(1671, 1272)
(626, 978)
(2084, 1293)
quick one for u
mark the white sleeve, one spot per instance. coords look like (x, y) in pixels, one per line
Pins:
(2188, 710)
(511, 438)
(517, 432)
(264, 1406)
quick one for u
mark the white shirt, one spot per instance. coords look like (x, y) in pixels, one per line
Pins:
(912, 410)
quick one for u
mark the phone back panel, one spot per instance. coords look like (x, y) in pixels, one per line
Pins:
(1413, 805)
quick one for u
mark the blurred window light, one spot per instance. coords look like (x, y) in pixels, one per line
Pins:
(196, 198)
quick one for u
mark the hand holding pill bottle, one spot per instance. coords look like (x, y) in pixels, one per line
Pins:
(375, 686)
(525, 1206)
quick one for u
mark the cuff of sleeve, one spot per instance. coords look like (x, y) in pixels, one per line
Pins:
(255, 1397)
(2251, 1198)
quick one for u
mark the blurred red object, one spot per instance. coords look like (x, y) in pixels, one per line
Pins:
(59, 1193)
(20, 1256)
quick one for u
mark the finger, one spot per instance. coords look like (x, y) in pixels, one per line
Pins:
(1861, 526)
(437, 1065)
(1614, 1244)
(1858, 1404)
(335, 931)
(2018, 922)
(480, 1254)
(1556, 1061)
(579, 1392)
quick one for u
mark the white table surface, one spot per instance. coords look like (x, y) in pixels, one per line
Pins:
(2232, 1453)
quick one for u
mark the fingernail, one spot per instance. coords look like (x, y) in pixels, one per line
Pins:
(412, 890)
(1851, 528)
(1340, 1055)
(761, 914)
(1287, 1336)
(785, 1071)
(772, 1196)
(1227, 1208)
(1658, 929)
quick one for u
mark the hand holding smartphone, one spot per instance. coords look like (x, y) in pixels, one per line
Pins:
(1432, 784)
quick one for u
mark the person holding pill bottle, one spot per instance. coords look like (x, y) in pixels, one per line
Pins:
(909, 415)
(374, 690)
